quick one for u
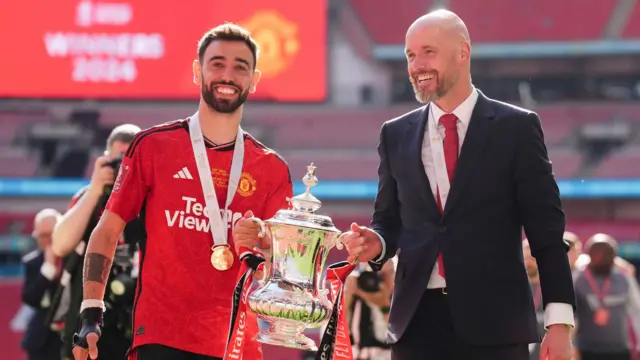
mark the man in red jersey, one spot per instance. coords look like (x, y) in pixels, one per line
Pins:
(183, 298)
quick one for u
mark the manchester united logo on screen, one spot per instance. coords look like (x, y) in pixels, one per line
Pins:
(278, 40)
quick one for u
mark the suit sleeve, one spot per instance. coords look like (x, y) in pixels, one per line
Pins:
(36, 283)
(281, 190)
(386, 213)
(540, 209)
(132, 184)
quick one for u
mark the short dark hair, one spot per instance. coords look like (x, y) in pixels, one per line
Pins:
(123, 133)
(228, 32)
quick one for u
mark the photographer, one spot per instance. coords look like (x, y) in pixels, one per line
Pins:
(368, 300)
(69, 241)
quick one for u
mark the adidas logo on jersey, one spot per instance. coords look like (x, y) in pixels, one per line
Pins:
(194, 216)
(183, 174)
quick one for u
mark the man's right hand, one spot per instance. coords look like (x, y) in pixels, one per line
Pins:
(85, 343)
(362, 243)
(102, 175)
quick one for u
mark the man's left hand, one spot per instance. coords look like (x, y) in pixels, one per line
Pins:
(556, 344)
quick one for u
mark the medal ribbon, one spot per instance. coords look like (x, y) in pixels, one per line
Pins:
(335, 343)
(600, 293)
(217, 218)
(243, 326)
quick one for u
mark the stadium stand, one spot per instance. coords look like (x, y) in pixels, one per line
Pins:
(541, 20)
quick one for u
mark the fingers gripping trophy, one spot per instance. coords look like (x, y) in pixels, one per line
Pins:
(293, 297)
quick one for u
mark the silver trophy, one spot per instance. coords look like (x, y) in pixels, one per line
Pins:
(294, 296)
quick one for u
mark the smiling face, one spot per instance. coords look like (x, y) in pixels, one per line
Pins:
(437, 51)
(226, 74)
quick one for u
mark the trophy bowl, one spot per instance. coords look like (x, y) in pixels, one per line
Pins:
(294, 297)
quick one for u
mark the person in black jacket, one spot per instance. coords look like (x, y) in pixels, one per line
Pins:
(41, 279)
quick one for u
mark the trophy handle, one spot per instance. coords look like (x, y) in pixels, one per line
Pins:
(339, 243)
(263, 230)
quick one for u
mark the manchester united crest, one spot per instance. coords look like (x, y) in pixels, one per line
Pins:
(247, 185)
(278, 40)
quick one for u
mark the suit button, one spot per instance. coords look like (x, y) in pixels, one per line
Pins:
(442, 229)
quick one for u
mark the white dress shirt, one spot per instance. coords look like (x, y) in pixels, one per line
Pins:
(555, 313)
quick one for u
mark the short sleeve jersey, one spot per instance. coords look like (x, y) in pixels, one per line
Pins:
(181, 300)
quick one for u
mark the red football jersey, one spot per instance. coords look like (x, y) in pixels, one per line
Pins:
(181, 300)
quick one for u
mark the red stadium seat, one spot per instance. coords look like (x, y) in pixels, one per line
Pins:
(527, 20)
(566, 162)
(623, 164)
(632, 30)
(387, 21)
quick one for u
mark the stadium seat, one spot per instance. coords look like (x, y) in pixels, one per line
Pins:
(527, 20)
(565, 161)
(387, 21)
(334, 165)
(632, 29)
(17, 163)
(622, 164)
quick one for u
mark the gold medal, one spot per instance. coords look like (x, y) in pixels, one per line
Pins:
(221, 258)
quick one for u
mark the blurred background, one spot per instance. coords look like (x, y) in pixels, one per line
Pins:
(333, 72)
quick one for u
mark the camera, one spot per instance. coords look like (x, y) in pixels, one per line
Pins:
(115, 165)
(120, 291)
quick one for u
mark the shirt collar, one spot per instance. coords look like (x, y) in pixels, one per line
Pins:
(462, 112)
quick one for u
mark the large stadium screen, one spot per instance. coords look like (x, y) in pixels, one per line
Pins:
(144, 49)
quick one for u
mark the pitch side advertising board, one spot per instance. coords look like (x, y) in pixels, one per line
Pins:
(144, 49)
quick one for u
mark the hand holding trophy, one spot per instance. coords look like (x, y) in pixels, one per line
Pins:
(294, 298)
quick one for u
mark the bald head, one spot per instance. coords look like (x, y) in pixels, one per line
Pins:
(43, 224)
(438, 54)
(447, 23)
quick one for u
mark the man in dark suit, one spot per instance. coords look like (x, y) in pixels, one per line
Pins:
(458, 179)
(41, 273)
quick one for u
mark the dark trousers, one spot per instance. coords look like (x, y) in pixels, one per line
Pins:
(586, 355)
(160, 352)
(430, 336)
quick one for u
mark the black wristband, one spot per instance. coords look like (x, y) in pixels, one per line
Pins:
(91, 315)
(90, 321)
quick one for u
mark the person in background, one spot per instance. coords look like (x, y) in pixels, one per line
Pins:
(367, 297)
(575, 248)
(72, 232)
(41, 278)
(583, 259)
(606, 299)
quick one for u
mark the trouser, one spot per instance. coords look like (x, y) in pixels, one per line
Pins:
(430, 336)
(161, 352)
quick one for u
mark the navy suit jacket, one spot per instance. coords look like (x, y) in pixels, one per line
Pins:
(503, 182)
(38, 337)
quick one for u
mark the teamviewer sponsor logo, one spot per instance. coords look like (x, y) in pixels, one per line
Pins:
(195, 216)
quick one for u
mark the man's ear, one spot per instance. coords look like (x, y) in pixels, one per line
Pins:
(197, 72)
(254, 82)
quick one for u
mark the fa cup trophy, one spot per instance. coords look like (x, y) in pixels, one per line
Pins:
(294, 296)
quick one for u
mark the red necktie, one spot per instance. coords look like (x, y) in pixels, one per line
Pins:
(451, 146)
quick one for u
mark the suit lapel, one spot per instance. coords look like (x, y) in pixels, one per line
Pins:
(415, 136)
(471, 151)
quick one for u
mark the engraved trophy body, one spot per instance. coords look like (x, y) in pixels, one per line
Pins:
(294, 297)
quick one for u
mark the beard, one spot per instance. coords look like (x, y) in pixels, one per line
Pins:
(224, 106)
(446, 81)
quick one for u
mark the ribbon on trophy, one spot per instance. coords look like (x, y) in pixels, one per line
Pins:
(335, 343)
(243, 326)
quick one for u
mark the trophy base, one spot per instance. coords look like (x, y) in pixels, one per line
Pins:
(287, 335)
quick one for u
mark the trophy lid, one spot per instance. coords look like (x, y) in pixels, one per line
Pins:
(304, 207)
